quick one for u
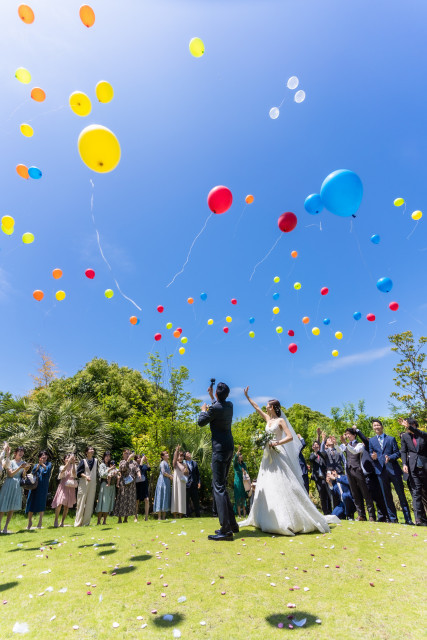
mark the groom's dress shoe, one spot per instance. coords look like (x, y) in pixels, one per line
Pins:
(222, 536)
(234, 530)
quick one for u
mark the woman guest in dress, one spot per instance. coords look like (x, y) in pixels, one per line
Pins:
(239, 488)
(179, 489)
(162, 497)
(37, 498)
(11, 491)
(65, 495)
(86, 473)
(107, 492)
(126, 491)
(142, 484)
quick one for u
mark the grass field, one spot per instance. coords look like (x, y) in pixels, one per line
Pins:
(134, 574)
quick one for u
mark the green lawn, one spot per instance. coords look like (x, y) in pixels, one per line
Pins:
(239, 589)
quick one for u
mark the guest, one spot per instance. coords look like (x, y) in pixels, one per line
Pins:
(142, 485)
(253, 489)
(4, 458)
(86, 473)
(334, 459)
(340, 486)
(11, 491)
(37, 498)
(107, 490)
(179, 492)
(356, 479)
(193, 485)
(239, 488)
(385, 453)
(318, 474)
(303, 464)
(126, 487)
(414, 458)
(65, 495)
(162, 497)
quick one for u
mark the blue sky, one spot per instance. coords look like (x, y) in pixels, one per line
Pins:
(186, 125)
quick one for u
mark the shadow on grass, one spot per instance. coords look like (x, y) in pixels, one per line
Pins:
(8, 585)
(24, 549)
(285, 619)
(123, 570)
(107, 552)
(103, 544)
(141, 558)
(177, 619)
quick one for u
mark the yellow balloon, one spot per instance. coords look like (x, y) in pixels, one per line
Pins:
(398, 202)
(60, 295)
(279, 329)
(276, 279)
(27, 130)
(184, 340)
(297, 286)
(99, 148)
(417, 215)
(8, 222)
(7, 230)
(315, 331)
(229, 319)
(335, 353)
(197, 48)
(181, 350)
(210, 321)
(276, 310)
(23, 75)
(28, 238)
(80, 103)
(104, 91)
(109, 293)
(169, 325)
(252, 334)
(338, 335)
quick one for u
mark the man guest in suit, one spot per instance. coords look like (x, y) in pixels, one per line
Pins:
(193, 484)
(334, 459)
(385, 453)
(340, 487)
(318, 474)
(219, 416)
(414, 458)
(356, 478)
(303, 464)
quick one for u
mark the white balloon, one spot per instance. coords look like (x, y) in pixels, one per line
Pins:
(293, 82)
(299, 96)
(274, 113)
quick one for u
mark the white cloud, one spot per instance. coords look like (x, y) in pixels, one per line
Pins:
(329, 366)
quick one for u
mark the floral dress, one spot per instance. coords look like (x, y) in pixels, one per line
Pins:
(126, 492)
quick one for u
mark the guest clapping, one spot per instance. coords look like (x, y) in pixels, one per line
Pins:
(65, 495)
(179, 492)
(11, 491)
(37, 498)
(334, 458)
(162, 497)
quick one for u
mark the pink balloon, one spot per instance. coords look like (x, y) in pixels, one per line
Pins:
(220, 199)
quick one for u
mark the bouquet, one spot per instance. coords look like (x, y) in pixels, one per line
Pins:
(262, 438)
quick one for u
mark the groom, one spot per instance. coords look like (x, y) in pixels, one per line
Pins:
(219, 416)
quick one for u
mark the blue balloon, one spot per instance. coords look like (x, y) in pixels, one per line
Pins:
(375, 239)
(342, 192)
(357, 315)
(34, 173)
(251, 320)
(313, 204)
(203, 296)
(385, 285)
(276, 296)
(326, 321)
(138, 321)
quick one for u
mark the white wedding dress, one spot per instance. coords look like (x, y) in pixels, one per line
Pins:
(281, 504)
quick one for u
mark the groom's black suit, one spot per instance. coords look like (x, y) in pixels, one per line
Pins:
(219, 416)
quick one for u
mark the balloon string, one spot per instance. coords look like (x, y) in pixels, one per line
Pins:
(238, 222)
(45, 113)
(191, 248)
(265, 257)
(375, 334)
(412, 231)
(314, 225)
(363, 259)
(282, 102)
(318, 306)
(18, 107)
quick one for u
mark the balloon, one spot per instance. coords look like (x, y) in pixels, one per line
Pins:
(109, 293)
(375, 239)
(279, 329)
(176, 334)
(291, 332)
(276, 279)
(90, 273)
(251, 320)
(315, 331)
(7, 222)
(197, 48)
(99, 148)
(342, 192)
(220, 199)
(306, 320)
(297, 286)
(190, 300)
(57, 273)
(7, 231)
(225, 329)
(23, 75)
(274, 113)
(26, 13)
(210, 321)
(160, 308)
(27, 130)
(38, 94)
(233, 301)
(299, 96)
(292, 83)
(393, 306)
(34, 173)
(87, 15)
(104, 91)
(133, 320)
(276, 310)
(357, 315)
(313, 204)
(398, 202)
(38, 295)
(60, 295)
(417, 215)
(28, 238)
(287, 222)
(181, 350)
(276, 296)
(184, 340)
(179, 330)
(203, 296)
(138, 321)
(294, 254)
(229, 319)
(22, 171)
(157, 336)
(249, 199)
(326, 321)
(252, 334)
(80, 103)
(324, 291)
(385, 285)
(338, 335)
(370, 317)
(169, 325)
(293, 347)
(335, 353)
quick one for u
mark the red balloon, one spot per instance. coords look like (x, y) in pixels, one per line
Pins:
(291, 332)
(324, 291)
(225, 329)
(370, 317)
(90, 273)
(157, 336)
(160, 308)
(179, 329)
(293, 347)
(220, 199)
(233, 301)
(393, 306)
(287, 222)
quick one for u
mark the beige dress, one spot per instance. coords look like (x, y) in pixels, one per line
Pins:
(86, 496)
(179, 490)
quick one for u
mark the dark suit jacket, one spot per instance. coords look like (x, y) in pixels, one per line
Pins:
(302, 462)
(391, 450)
(193, 473)
(334, 458)
(318, 467)
(219, 416)
(367, 462)
(413, 455)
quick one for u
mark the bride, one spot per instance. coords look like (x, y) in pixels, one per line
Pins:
(281, 504)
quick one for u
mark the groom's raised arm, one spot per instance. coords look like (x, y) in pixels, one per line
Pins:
(205, 417)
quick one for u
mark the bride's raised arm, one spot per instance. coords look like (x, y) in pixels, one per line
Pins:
(255, 406)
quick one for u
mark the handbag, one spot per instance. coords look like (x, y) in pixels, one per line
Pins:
(71, 482)
(128, 479)
(246, 480)
(30, 481)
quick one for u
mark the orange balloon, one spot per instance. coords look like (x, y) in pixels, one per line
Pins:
(22, 171)
(133, 319)
(306, 320)
(38, 295)
(38, 94)
(87, 15)
(249, 199)
(176, 334)
(26, 13)
(57, 273)
(190, 300)
(294, 254)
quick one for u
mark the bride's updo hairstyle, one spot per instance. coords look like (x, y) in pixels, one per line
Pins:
(276, 406)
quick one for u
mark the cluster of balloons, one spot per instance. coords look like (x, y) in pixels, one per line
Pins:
(134, 320)
(8, 227)
(81, 104)
(415, 215)
(28, 172)
(299, 97)
(341, 193)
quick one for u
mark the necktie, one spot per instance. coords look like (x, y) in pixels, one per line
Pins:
(414, 440)
(381, 441)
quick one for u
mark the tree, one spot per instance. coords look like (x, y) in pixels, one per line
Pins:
(411, 374)
(46, 372)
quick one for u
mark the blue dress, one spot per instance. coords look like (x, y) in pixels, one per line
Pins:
(11, 491)
(37, 498)
(162, 497)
